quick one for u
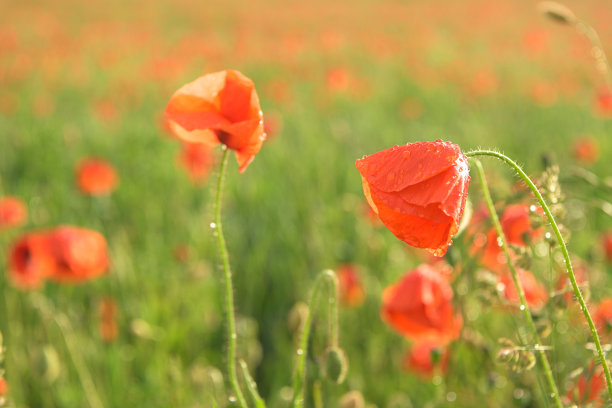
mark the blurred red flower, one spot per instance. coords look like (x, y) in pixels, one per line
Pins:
(418, 190)
(585, 150)
(13, 212)
(31, 261)
(64, 254)
(222, 107)
(424, 357)
(197, 159)
(96, 177)
(602, 317)
(604, 103)
(419, 306)
(589, 387)
(80, 254)
(4, 388)
(352, 293)
(109, 331)
(535, 293)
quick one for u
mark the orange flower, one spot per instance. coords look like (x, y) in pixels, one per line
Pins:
(424, 357)
(607, 244)
(109, 331)
(351, 289)
(80, 254)
(4, 388)
(96, 177)
(602, 317)
(13, 212)
(589, 387)
(604, 103)
(419, 306)
(197, 159)
(418, 190)
(31, 261)
(535, 293)
(222, 107)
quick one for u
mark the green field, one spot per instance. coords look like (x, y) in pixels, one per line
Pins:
(340, 81)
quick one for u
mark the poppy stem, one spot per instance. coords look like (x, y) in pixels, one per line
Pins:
(519, 288)
(299, 378)
(566, 257)
(229, 290)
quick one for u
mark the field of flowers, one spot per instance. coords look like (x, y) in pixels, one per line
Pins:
(345, 288)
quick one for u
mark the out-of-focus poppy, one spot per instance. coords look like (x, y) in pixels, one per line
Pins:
(109, 331)
(96, 177)
(588, 388)
(585, 150)
(13, 212)
(419, 306)
(602, 317)
(31, 260)
(80, 254)
(564, 285)
(424, 357)
(4, 388)
(603, 103)
(197, 159)
(351, 289)
(535, 293)
(222, 107)
(516, 224)
(418, 190)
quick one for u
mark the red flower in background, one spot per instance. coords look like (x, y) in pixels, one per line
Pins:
(586, 150)
(604, 103)
(602, 317)
(64, 254)
(96, 177)
(535, 293)
(424, 357)
(13, 212)
(80, 254)
(589, 387)
(419, 307)
(418, 190)
(351, 289)
(197, 159)
(607, 244)
(4, 388)
(222, 107)
(31, 260)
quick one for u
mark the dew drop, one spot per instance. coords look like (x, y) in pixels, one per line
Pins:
(232, 398)
(547, 235)
(522, 307)
(213, 225)
(532, 208)
(300, 352)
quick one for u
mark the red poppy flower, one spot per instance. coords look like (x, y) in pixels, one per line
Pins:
(13, 212)
(221, 107)
(80, 254)
(589, 387)
(607, 244)
(585, 150)
(602, 317)
(96, 177)
(351, 289)
(418, 190)
(197, 159)
(604, 103)
(419, 306)
(31, 260)
(4, 388)
(426, 356)
(535, 293)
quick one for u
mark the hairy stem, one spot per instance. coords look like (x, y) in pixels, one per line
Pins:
(300, 372)
(519, 288)
(566, 257)
(229, 290)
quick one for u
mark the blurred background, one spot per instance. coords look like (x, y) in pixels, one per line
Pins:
(337, 80)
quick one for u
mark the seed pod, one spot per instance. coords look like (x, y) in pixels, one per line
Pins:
(335, 364)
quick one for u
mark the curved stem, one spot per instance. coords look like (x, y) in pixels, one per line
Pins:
(519, 288)
(566, 257)
(300, 372)
(229, 290)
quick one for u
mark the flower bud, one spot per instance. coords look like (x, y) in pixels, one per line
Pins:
(335, 364)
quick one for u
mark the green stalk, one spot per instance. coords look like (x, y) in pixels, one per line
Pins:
(229, 290)
(299, 379)
(566, 257)
(519, 288)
